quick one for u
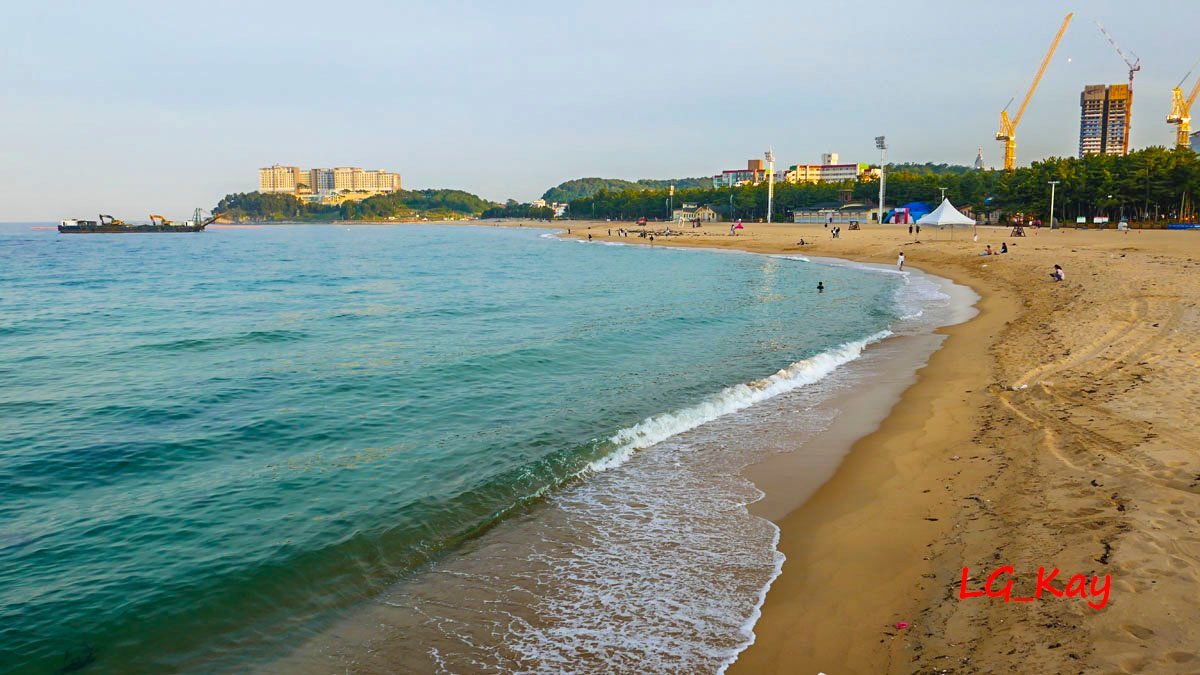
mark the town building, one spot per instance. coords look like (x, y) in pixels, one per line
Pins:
(754, 173)
(1194, 141)
(694, 212)
(1103, 112)
(828, 171)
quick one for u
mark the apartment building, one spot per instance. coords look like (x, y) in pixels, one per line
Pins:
(281, 178)
(1103, 111)
(325, 181)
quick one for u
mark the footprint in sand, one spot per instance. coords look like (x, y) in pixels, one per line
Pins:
(1139, 632)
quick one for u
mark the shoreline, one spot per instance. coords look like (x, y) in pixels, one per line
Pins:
(1050, 430)
(790, 481)
(1053, 429)
(859, 393)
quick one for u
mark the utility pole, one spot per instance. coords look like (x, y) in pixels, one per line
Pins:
(881, 143)
(770, 155)
(1053, 184)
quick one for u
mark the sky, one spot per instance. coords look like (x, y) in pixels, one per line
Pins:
(130, 107)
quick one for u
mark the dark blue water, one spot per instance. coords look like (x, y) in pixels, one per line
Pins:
(209, 442)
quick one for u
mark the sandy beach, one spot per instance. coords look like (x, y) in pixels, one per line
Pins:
(1053, 430)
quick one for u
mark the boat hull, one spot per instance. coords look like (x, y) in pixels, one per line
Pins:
(122, 229)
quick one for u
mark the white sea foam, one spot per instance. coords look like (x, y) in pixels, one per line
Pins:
(729, 400)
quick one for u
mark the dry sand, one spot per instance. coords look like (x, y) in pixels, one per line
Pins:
(1053, 430)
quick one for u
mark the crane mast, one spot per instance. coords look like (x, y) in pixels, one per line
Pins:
(1181, 112)
(1008, 126)
(1134, 66)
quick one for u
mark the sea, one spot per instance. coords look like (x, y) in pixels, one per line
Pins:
(410, 448)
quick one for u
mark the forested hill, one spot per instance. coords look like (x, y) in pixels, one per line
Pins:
(586, 187)
(929, 168)
(434, 204)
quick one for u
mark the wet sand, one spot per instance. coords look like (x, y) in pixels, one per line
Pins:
(1052, 430)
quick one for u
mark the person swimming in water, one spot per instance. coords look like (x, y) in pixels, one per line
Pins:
(820, 286)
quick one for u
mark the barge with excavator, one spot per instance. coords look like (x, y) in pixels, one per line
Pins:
(109, 225)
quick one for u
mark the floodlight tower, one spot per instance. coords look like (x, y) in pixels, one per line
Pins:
(770, 155)
(881, 143)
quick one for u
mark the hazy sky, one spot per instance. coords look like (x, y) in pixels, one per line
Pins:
(133, 107)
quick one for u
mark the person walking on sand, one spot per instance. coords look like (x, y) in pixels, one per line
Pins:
(900, 261)
(910, 230)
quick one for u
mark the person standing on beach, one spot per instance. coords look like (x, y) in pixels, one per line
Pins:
(910, 231)
(900, 261)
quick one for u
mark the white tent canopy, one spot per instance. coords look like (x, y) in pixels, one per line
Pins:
(945, 214)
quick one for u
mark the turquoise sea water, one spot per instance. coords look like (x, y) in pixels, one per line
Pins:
(210, 443)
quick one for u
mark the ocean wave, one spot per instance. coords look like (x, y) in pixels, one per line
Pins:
(218, 342)
(730, 400)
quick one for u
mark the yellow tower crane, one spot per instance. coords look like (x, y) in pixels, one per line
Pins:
(1008, 126)
(1181, 111)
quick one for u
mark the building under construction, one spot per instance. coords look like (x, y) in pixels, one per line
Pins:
(1103, 119)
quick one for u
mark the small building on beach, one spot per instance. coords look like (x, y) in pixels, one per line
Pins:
(836, 213)
(689, 213)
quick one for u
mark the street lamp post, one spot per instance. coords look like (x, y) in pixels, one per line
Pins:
(770, 156)
(671, 203)
(881, 143)
(943, 193)
(1053, 184)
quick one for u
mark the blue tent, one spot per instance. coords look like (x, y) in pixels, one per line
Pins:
(915, 211)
